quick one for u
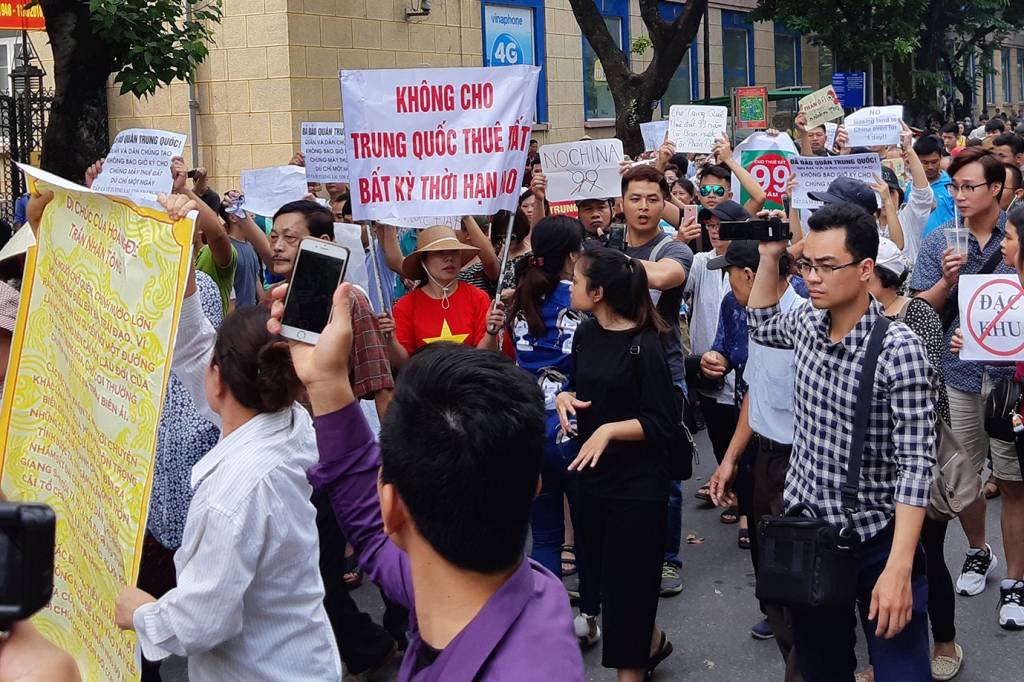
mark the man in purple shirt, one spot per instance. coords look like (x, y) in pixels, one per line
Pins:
(442, 529)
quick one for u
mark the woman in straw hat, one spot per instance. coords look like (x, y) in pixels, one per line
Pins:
(440, 308)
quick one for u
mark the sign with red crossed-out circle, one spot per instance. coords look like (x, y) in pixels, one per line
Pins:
(991, 317)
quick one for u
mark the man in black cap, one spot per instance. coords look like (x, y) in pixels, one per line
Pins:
(753, 471)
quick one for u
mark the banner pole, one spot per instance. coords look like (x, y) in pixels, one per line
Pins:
(501, 269)
(372, 233)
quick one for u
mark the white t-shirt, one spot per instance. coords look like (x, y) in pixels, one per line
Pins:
(770, 374)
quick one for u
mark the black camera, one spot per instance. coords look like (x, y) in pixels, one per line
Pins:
(27, 534)
(616, 238)
(767, 230)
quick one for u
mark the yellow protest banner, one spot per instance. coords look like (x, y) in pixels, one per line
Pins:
(85, 386)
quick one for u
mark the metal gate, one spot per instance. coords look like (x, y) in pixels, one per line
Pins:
(23, 119)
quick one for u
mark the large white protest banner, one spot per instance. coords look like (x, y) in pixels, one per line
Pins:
(814, 173)
(582, 170)
(139, 163)
(437, 141)
(821, 106)
(653, 134)
(268, 189)
(323, 146)
(694, 128)
(991, 318)
(874, 126)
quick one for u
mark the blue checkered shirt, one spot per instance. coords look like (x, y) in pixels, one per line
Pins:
(960, 374)
(899, 447)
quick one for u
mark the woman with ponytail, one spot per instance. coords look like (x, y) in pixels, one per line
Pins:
(621, 390)
(249, 599)
(543, 324)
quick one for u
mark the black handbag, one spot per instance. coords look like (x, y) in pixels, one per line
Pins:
(1002, 402)
(680, 449)
(805, 561)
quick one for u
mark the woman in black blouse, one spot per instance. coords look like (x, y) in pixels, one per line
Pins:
(621, 391)
(889, 276)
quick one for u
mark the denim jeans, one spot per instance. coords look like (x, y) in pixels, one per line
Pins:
(547, 521)
(825, 638)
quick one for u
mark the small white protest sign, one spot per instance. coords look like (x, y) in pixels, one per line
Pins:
(821, 106)
(694, 128)
(654, 134)
(830, 135)
(323, 145)
(268, 189)
(874, 126)
(351, 236)
(139, 163)
(582, 170)
(991, 318)
(423, 222)
(814, 173)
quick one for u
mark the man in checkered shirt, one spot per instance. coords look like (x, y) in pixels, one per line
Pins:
(829, 340)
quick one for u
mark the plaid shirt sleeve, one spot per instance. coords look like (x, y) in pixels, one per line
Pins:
(770, 327)
(371, 371)
(912, 394)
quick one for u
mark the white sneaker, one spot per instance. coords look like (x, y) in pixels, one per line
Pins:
(1011, 604)
(588, 632)
(978, 564)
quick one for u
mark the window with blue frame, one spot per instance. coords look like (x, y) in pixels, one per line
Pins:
(684, 87)
(513, 33)
(597, 96)
(990, 77)
(737, 51)
(787, 57)
(1004, 67)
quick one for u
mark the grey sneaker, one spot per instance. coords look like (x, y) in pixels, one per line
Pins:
(671, 581)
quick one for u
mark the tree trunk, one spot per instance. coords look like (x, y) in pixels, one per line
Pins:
(77, 132)
(631, 109)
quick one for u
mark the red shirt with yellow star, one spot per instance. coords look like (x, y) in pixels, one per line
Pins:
(420, 319)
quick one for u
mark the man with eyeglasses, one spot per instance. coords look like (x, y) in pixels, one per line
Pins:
(829, 339)
(1013, 189)
(977, 183)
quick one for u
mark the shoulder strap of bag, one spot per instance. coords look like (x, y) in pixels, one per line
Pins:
(952, 308)
(656, 251)
(860, 416)
(901, 316)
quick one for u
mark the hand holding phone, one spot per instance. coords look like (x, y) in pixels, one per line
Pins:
(319, 269)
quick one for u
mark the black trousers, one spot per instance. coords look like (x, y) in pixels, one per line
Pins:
(721, 422)
(941, 601)
(362, 643)
(620, 544)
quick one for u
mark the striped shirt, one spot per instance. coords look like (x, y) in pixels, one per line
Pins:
(249, 600)
(899, 446)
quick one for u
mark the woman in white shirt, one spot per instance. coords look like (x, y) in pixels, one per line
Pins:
(249, 600)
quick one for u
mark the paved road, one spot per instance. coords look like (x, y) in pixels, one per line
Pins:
(708, 623)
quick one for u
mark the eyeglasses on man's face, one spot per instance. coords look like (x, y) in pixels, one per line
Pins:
(805, 267)
(955, 189)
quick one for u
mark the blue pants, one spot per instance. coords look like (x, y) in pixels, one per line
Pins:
(547, 521)
(674, 526)
(824, 638)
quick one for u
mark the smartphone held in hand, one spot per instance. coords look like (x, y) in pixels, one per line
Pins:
(319, 269)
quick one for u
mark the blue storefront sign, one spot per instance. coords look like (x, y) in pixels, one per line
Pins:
(849, 87)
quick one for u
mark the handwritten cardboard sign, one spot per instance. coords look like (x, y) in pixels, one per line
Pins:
(323, 145)
(694, 128)
(582, 170)
(821, 106)
(874, 126)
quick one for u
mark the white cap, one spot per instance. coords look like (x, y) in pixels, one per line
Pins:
(890, 257)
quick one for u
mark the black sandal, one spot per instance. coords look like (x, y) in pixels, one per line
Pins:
(663, 652)
(570, 562)
(704, 493)
(730, 516)
(744, 538)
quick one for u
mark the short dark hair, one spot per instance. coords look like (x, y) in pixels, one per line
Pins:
(1014, 170)
(993, 168)
(950, 128)
(1011, 140)
(680, 161)
(319, 219)
(714, 170)
(861, 227)
(255, 364)
(467, 472)
(928, 144)
(889, 279)
(995, 124)
(644, 173)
